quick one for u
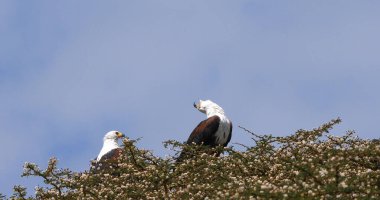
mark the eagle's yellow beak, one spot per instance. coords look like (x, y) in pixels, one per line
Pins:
(196, 105)
(119, 134)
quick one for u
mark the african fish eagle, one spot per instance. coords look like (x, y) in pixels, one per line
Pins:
(111, 150)
(215, 130)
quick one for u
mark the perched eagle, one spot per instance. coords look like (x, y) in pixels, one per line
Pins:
(111, 150)
(215, 130)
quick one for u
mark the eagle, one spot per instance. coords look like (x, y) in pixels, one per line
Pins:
(214, 131)
(111, 151)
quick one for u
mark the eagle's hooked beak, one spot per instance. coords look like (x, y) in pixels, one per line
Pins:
(197, 105)
(120, 135)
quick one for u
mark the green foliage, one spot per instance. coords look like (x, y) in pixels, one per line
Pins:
(306, 165)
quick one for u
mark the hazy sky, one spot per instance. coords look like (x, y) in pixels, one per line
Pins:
(70, 71)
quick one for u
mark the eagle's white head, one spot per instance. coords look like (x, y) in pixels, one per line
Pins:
(113, 135)
(209, 108)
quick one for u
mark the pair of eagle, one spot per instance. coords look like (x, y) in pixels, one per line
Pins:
(214, 131)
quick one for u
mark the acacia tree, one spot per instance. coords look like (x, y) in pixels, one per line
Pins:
(307, 164)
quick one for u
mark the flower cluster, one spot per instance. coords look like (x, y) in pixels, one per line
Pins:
(305, 165)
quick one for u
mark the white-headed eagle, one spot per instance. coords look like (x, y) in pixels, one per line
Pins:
(215, 130)
(110, 151)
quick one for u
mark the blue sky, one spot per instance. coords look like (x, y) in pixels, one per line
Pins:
(71, 71)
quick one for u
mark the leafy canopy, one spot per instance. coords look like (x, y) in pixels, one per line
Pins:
(305, 165)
